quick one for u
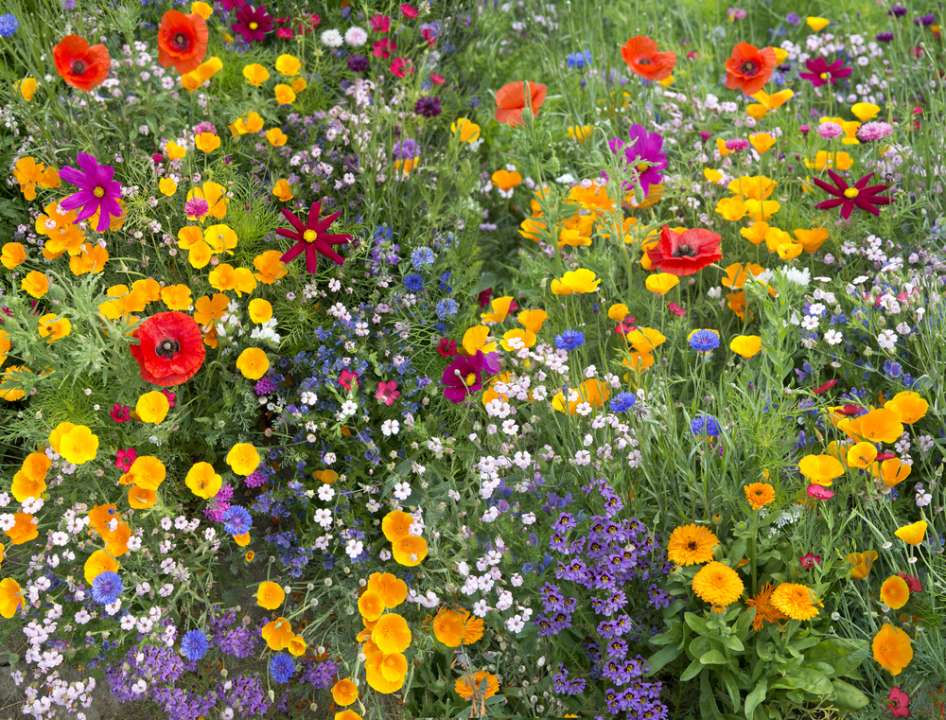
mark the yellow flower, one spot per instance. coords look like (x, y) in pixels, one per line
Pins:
(12, 255)
(908, 406)
(758, 495)
(821, 469)
(54, 328)
(243, 459)
(11, 597)
(147, 472)
(732, 208)
(98, 562)
(762, 142)
(465, 130)
(252, 363)
(864, 111)
(344, 692)
(390, 588)
(202, 9)
(255, 74)
(861, 455)
(276, 137)
(370, 606)
(576, 282)
(913, 533)
(77, 444)
(285, 95)
(174, 151)
(580, 133)
(27, 87)
(248, 124)
(817, 24)
(176, 297)
(894, 593)
(283, 190)
(36, 284)
(861, 563)
(618, 311)
(892, 649)
(746, 346)
(717, 584)
(796, 601)
(167, 186)
(269, 595)
(391, 634)
(661, 283)
(203, 480)
(811, 240)
(201, 74)
(409, 551)
(288, 65)
(260, 310)
(207, 142)
(478, 686)
(396, 525)
(691, 545)
(347, 715)
(299, 84)
(152, 407)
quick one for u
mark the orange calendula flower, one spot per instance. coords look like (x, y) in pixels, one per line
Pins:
(477, 687)
(796, 601)
(759, 494)
(765, 611)
(691, 545)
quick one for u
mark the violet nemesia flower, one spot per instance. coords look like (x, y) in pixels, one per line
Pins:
(98, 192)
(644, 153)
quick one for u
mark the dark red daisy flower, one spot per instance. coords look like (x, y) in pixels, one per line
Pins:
(859, 195)
(312, 238)
(821, 72)
(170, 349)
(685, 253)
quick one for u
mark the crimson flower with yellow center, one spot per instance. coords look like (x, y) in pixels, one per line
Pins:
(312, 237)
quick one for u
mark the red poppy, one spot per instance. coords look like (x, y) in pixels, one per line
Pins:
(511, 100)
(641, 55)
(182, 41)
(170, 349)
(83, 66)
(685, 253)
(749, 68)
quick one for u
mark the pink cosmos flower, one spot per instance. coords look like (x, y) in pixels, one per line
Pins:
(98, 191)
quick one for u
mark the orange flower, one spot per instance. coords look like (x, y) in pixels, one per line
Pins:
(182, 41)
(83, 66)
(480, 685)
(765, 611)
(749, 68)
(641, 55)
(510, 100)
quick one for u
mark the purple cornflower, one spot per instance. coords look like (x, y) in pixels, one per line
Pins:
(194, 645)
(237, 520)
(281, 668)
(252, 23)
(428, 106)
(897, 11)
(358, 63)
(405, 149)
(98, 192)
(106, 588)
(644, 153)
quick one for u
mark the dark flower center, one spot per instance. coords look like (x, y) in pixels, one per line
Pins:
(643, 61)
(684, 251)
(749, 68)
(691, 545)
(167, 348)
(78, 67)
(181, 41)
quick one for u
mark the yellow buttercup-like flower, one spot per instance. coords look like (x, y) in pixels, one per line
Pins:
(152, 407)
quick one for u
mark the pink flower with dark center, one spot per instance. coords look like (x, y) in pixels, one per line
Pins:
(819, 492)
(387, 392)
(809, 561)
(124, 458)
(120, 413)
(898, 703)
(346, 378)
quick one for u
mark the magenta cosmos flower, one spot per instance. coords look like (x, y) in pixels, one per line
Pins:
(644, 153)
(98, 192)
(253, 23)
(465, 374)
(859, 195)
(311, 237)
(821, 72)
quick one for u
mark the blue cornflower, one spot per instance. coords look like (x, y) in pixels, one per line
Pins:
(194, 645)
(8, 24)
(704, 340)
(422, 256)
(570, 340)
(106, 588)
(705, 425)
(414, 282)
(578, 60)
(281, 668)
(447, 308)
(622, 402)
(237, 520)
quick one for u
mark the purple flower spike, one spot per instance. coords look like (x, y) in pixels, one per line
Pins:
(98, 193)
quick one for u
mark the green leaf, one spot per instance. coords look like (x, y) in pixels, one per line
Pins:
(697, 623)
(735, 644)
(755, 698)
(847, 696)
(693, 669)
(713, 657)
(662, 657)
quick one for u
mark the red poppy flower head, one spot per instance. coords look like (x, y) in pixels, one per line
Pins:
(182, 41)
(685, 253)
(641, 55)
(83, 66)
(170, 349)
(511, 100)
(749, 68)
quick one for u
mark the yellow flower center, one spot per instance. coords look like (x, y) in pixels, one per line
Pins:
(824, 76)
(471, 379)
(254, 25)
(99, 192)
(851, 193)
(642, 167)
(310, 236)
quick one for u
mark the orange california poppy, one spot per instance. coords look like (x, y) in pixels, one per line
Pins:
(510, 100)
(749, 68)
(83, 66)
(182, 41)
(640, 54)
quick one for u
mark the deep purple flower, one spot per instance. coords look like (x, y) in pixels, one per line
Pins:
(98, 192)
(884, 37)
(358, 63)
(464, 376)
(925, 20)
(252, 23)
(847, 197)
(897, 11)
(428, 106)
(820, 72)
(644, 153)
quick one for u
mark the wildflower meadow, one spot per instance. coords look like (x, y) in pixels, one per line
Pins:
(368, 360)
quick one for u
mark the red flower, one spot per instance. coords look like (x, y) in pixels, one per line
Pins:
(809, 560)
(898, 703)
(859, 195)
(446, 347)
(912, 581)
(311, 237)
(749, 68)
(182, 41)
(80, 65)
(170, 349)
(511, 100)
(641, 55)
(685, 253)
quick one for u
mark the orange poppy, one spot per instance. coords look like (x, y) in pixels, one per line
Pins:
(749, 68)
(182, 41)
(510, 100)
(81, 65)
(641, 55)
